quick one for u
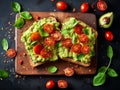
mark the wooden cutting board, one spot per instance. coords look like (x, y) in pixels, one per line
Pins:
(26, 69)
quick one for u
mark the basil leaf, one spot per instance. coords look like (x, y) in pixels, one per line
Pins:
(4, 44)
(3, 74)
(110, 52)
(64, 31)
(86, 31)
(80, 56)
(58, 44)
(52, 69)
(99, 79)
(112, 73)
(102, 69)
(26, 15)
(16, 6)
(43, 34)
(19, 22)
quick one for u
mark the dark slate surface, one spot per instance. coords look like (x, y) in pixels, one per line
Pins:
(76, 82)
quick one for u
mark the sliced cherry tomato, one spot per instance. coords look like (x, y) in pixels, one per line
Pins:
(76, 48)
(85, 49)
(109, 36)
(57, 36)
(20, 62)
(61, 5)
(78, 29)
(37, 48)
(50, 84)
(37, 18)
(45, 53)
(11, 53)
(83, 38)
(84, 7)
(67, 42)
(49, 41)
(62, 84)
(68, 71)
(49, 28)
(102, 5)
(35, 36)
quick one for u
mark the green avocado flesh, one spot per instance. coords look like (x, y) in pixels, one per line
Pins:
(102, 22)
(58, 50)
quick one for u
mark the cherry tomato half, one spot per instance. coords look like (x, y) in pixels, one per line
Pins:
(78, 29)
(83, 38)
(84, 7)
(56, 35)
(101, 5)
(76, 48)
(35, 36)
(85, 49)
(68, 71)
(45, 53)
(11, 53)
(62, 84)
(50, 84)
(61, 5)
(49, 28)
(109, 36)
(49, 41)
(67, 42)
(37, 48)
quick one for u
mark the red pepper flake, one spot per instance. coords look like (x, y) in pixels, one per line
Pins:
(37, 18)
(20, 62)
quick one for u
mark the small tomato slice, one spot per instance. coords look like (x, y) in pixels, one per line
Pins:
(37, 48)
(67, 42)
(109, 36)
(85, 49)
(45, 53)
(49, 28)
(78, 29)
(35, 36)
(61, 5)
(57, 36)
(84, 7)
(76, 48)
(49, 41)
(83, 38)
(102, 5)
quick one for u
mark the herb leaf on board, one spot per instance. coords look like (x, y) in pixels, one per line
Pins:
(19, 22)
(52, 69)
(4, 44)
(26, 15)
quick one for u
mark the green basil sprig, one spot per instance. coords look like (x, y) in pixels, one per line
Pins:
(19, 23)
(4, 44)
(100, 78)
(3, 74)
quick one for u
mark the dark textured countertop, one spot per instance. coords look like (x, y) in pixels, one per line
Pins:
(17, 82)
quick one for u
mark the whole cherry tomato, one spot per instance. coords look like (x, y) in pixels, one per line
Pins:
(101, 5)
(109, 36)
(61, 5)
(84, 7)
(50, 84)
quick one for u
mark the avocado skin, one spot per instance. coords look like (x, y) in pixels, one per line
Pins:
(102, 23)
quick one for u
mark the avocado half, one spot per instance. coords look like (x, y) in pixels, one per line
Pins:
(102, 23)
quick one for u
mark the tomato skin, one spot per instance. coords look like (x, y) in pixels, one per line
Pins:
(85, 49)
(83, 38)
(68, 71)
(61, 5)
(11, 53)
(78, 29)
(62, 84)
(35, 36)
(49, 41)
(57, 36)
(49, 28)
(102, 5)
(109, 36)
(37, 48)
(50, 84)
(84, 7)
(67, 42)
(76, 48)
(45, 53)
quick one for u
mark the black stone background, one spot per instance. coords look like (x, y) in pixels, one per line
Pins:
(75, 82)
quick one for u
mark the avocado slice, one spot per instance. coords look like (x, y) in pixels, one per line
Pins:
(106, 20)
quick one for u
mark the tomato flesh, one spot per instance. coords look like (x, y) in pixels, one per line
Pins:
(62, 84)
(35, 36)
(102, 5)
(45, 53)
(78, 29)
(83, 38)
(49, 41)
(61, 5)
(37, 48)
(109, 36)
(85, 49)
(84, 7)
(67, 42)
(76, 48)
(50, 84)
(57, 36)
(49, 28)
(68, 71)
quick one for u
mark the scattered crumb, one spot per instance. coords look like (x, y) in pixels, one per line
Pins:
(5, 61)
(12, 13)
(89, 70)
(54, 10)
(74, 10)
(52, 0)
(2, 28)
(16, 76)
(9, 23)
